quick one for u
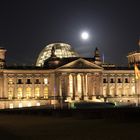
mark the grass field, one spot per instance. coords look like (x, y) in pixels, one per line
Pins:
(66, 128)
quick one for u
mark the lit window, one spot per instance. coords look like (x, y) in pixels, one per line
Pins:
(29, 104)
(10, 81)
(133, 90)
(46, 81)
(38, 104)
(20, 105)
(28, 92)
(104, 91)
(11, 106)
(133, 80)
(112, 91)
(37, 92)
(19, 93)
(46, 92)
(10, 93)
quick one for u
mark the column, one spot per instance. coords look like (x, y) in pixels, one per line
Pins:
(5, 93)
(1, 85)
(76, 97)
(130, 85)
(60, 86)
(57, 84)
(67, 85)
(24, 87)
(108, 85)
(52, 85)
(123, 78)
(14, 85)
(82, 86)
(85, 87)
(69, 96)
(94, 86)
(41, 85)
(60, 91)
(101, 84)
(115, 85)
(33, 86)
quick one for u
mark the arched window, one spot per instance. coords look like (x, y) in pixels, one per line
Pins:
(28, 92)
(104, 91)
(19, 93)
(133, 90)
(10, 93)
(37, 92)
(126, 91)
(46, 92)
(119, 91)
(112, 91)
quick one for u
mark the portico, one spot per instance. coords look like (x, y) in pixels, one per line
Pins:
(79, 84)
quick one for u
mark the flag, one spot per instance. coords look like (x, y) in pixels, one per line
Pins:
(137, 72)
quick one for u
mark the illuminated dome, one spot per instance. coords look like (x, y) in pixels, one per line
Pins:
(62, 50)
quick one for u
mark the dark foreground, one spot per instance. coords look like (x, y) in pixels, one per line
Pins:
(56, 125)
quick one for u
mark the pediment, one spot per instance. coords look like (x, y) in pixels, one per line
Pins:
(80, 64)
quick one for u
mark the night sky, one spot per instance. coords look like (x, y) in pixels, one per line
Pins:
(27, 26)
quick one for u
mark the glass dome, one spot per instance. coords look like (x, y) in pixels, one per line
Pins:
(61, 50)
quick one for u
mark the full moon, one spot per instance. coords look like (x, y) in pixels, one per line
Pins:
(84, 35)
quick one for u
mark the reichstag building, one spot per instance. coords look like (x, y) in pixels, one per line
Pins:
(62, 76)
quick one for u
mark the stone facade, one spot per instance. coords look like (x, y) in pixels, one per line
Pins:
(81, 79)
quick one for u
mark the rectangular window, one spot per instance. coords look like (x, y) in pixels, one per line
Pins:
(37, 81)
(28, 81)
(111, 80)
(45, 81)
(126, 80)
(119, 80)
(104, 80)
(19, 81)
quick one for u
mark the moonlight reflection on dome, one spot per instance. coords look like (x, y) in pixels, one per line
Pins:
(62, 50)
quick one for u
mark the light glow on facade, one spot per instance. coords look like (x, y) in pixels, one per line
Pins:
(11, 106)
(20, 105)
(77, 79)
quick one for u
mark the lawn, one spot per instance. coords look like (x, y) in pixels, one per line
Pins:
(66, 128)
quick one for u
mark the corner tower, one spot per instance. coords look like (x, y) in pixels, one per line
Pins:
(97, 58)
(134, 57)
(2, 57)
